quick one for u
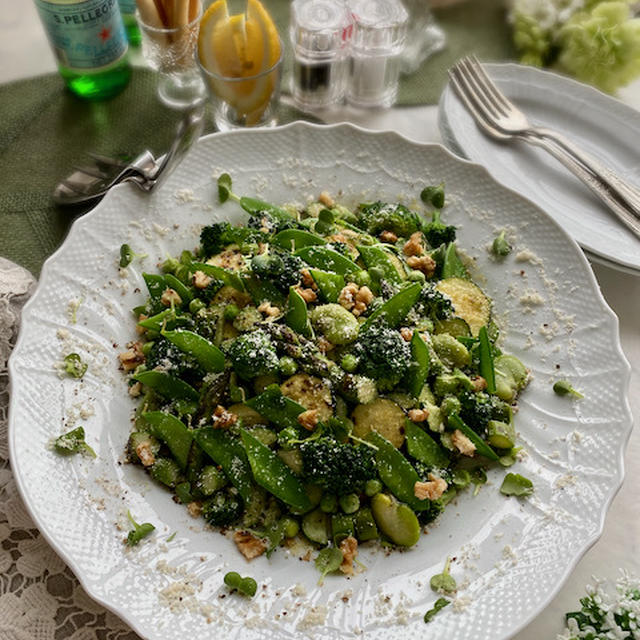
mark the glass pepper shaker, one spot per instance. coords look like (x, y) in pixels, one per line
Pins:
(379, 34)
(320, 31)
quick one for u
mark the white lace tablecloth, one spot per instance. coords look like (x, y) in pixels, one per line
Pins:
(40, 599)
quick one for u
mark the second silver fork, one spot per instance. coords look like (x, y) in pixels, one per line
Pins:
(496, 116)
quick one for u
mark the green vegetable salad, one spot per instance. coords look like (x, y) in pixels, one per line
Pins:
(325, 373)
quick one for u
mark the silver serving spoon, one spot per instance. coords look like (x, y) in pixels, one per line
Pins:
(92, 182)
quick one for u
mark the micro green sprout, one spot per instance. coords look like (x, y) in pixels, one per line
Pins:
(138, 532)
(439, 604)
(247, 586)
(564, 388)
(224, 188)
(500, 247)
(73, 442)
(327, 561)
(444, 582)
(433, 195)
(127, 255)
(74, 366)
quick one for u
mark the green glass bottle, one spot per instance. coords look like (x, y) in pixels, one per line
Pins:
(90, 45)
(128, 11)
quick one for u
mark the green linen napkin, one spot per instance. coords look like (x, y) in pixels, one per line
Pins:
(45, 131)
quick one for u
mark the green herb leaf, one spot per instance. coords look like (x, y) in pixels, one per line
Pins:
(73, 442)
(516, 485)
(126, 255)
(500, 247)
(139, 531)
(439, 604)
(564, 388)
(74, 366)
(224, 187)
(433, 195)
(327, 561)
(444, 582)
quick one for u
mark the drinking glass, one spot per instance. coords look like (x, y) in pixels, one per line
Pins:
(249, 101)
(171, 52)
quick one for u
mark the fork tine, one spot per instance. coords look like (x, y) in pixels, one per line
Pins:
(467, 96)
(480, 88)
(472, 91)
(94, 172)
(488, 83)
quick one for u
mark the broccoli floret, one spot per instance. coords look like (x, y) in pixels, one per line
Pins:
(206, 294)
(223, 508)
(338, 468)
(437, 232)
(433, 303)
(280, 268)
(267, 223)
(380, 216)
(253, 354)
(425, 516)
(165, 356)
(214, 238)
(478, 408)
(383, 355)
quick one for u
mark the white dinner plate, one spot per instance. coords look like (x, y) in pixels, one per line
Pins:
(510, 556)
(601, 125)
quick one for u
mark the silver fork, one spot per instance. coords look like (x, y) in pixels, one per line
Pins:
(501, 119)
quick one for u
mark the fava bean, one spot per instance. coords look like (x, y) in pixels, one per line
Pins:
(336, 323)
(395, 520)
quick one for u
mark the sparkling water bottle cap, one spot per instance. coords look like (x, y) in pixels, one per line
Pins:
(320, 27)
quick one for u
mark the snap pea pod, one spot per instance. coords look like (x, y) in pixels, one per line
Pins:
(255, 207)
(261, 290)
(452, 266)
(165, 319)
(276, 408)
(378, 257)
(296, 316)
(396, 472)
(487, 370)
(481, 446)
(327, 260)
(420, 366)
(156, 284)
(166, 385)
(423, 447)
(294, 239)
(394, 310)
(227, 277)
(209, 357)
(329, 284)
(229, 453)
(274, 475)
(175, 284)
(173, 433)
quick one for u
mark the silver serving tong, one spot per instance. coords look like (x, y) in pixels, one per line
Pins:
(92, 181)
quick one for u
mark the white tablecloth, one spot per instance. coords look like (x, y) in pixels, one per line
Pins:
(24, 52)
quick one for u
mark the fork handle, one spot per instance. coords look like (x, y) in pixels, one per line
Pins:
(617, 204)
(620, 188)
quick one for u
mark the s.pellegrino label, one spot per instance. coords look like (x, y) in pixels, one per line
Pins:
(84, 34)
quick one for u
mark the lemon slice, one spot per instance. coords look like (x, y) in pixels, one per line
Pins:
(237, 47)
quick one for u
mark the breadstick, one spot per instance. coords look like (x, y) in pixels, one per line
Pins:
(149, 13)
(161, 12)
(194, 9)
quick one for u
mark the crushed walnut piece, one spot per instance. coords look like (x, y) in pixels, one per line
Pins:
(308, 295)
(307, 279)
(145, 454)
(140, 330)
(170, 297)
(431, 490)
(426, 264)
(308, 419)
(326, 199)
(418, 415)
(479, 383)
(406, 334)
(349, 548)
(413, 246)
(347, 297)
(355, 299)
(324, 345)
(201, 280)
(135, 389)
(223, 419)
(388, 236)
(462, 443)
(248, 545)
(132, 357)
(269, 310)
(194, 509)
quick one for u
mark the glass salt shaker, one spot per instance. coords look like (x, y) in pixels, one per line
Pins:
(379, 34)
(319, 32)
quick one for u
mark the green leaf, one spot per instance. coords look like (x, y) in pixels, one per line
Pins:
(516, 485)
(327, 561)
(224, 187)
(439, 604)
(139, 531)
(73, 442)
(444, 582)
(74, 366)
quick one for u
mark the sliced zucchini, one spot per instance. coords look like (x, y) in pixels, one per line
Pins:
(292, 458)
(248, 415)
(310, 392)
(231, 258)
(229, 295)
(469, 302)
(166, 471)
(210, 480)
(358, 389)
(382, 416)
(456, 327)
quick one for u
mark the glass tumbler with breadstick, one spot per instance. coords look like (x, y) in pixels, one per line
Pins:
(169, 30)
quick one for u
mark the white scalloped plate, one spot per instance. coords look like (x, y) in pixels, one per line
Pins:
(511, 556)
(604, 127)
